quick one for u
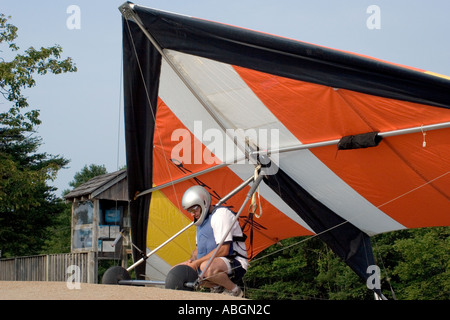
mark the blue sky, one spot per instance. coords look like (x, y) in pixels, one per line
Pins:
(81, 112)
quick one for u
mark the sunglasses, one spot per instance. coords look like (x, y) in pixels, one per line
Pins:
(193, 209)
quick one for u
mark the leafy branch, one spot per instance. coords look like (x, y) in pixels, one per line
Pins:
(20, 72)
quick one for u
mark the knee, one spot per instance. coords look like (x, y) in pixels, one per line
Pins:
(213, 269)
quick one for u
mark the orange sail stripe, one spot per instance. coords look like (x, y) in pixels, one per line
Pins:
(267, 229)
(386, 175)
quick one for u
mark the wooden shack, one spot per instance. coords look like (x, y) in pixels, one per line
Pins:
(100, 215)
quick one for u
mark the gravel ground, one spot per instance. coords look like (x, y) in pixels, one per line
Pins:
(27, 290)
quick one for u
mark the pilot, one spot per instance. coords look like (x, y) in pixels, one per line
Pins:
(212, 222)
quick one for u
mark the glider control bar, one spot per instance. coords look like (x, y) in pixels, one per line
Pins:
(159, 247)
(229, 195)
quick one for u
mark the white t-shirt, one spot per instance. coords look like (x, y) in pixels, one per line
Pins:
(221, 221)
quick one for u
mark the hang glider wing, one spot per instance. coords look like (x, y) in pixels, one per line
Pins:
(361, 146)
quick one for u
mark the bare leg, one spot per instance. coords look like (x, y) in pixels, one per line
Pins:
(217, 274)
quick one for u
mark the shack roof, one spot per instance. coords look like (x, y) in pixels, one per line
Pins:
(97, 186)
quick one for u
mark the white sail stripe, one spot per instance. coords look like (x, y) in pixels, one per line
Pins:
(184, 105)
(234, 102)
(156, 268)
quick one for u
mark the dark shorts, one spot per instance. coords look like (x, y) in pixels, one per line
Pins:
(237, 272)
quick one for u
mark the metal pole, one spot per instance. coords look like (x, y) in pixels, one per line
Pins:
(190, 176)
(336, 141)
(236, 190)
(141, 282)
(430, 127)
(159, 247)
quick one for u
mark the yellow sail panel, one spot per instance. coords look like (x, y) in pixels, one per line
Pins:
(164, 221)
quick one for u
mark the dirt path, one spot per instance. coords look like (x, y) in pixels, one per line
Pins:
(26, 290)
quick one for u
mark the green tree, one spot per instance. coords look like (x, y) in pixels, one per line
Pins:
(59, 232)
(417, 262)
(286, 271)
(20, 72)
(87, 173)
(414, 265)
(27, 204)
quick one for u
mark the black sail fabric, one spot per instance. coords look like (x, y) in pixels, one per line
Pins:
(141, 62)
(347, 241)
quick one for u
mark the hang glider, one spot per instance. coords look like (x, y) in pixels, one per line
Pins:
(357, 146)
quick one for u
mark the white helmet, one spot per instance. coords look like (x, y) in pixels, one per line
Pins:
(197, 196)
